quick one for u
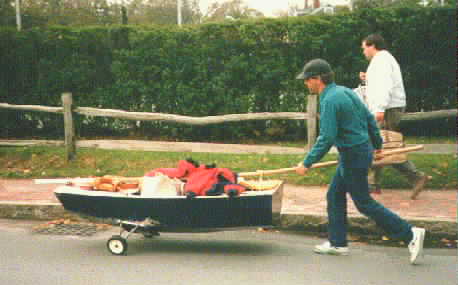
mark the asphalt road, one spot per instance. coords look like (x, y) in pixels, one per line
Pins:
(236, 257)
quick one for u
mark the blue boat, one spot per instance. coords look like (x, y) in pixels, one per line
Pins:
(151, 215)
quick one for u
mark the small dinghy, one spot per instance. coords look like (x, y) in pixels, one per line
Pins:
(151, 215)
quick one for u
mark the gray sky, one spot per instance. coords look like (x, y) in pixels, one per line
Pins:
(269, 7)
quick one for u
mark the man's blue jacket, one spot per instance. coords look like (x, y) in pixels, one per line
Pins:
(344, 122)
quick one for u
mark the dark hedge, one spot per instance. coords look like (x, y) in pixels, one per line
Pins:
(213, 69)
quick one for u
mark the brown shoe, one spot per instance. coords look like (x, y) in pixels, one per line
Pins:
(419, 185)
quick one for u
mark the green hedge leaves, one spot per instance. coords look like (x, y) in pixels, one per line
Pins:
(214, 69)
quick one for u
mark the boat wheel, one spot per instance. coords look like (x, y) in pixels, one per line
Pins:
(117, 245)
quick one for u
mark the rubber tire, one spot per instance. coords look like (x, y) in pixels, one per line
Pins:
(117, 245)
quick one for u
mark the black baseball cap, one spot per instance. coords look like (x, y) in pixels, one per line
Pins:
(314, 67)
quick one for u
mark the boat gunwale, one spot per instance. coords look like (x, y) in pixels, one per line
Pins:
(73, 190)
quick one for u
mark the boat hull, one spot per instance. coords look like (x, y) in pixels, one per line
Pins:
(256, 208)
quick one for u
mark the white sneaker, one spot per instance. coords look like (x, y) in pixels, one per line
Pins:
(416, 245)
(327, 248)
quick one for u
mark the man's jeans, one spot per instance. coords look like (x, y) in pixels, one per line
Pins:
(351, 178)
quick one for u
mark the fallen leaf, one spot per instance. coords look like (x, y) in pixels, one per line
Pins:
(103, 226)
(353, 238)
(444, 164)
(56, 222)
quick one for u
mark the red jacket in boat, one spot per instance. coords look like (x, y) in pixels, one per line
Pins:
(202, 180)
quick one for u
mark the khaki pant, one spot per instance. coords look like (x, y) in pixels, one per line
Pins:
(408, 169)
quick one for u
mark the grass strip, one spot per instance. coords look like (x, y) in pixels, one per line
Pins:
(48, 162)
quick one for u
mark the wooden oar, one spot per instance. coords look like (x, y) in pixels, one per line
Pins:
(283, 170)
(329, 163)
(86, 180)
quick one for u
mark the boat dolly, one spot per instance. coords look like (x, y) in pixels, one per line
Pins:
(117, 244)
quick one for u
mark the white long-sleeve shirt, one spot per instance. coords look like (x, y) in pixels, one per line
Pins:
(384, 84)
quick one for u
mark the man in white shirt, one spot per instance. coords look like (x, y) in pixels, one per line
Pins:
(386, 99)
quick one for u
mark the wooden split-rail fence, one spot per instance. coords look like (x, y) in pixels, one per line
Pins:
(68, 110)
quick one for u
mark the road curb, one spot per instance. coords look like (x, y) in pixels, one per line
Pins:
(36, 211)
(437, 230)
(296, 222)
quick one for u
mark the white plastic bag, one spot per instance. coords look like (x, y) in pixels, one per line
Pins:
(362, 95)
(159, 185)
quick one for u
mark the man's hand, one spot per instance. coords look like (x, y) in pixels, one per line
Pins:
(301, 169)
(362, 76)
(378, 154)
(380, 116)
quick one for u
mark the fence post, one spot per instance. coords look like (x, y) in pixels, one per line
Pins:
(70, 148)
(312, 107)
